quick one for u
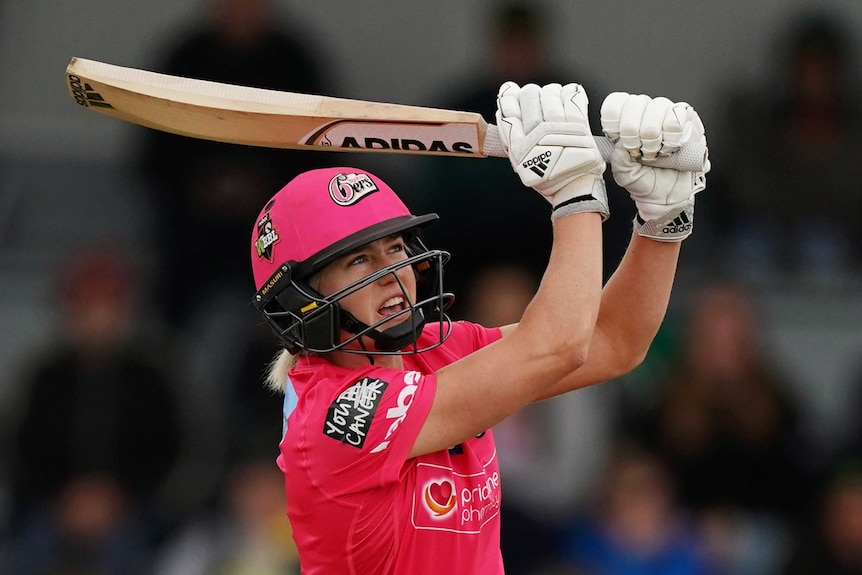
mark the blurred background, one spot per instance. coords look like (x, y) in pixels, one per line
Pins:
(136, 434)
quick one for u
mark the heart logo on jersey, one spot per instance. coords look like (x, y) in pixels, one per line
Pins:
(439, 497)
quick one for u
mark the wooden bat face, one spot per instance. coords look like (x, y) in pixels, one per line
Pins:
(257, 117)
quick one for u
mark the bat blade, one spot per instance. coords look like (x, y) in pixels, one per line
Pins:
(276, 119)
(270, 118)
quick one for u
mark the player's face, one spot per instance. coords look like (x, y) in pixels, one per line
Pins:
(380, 299)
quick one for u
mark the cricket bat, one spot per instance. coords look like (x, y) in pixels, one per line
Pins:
(276, 119)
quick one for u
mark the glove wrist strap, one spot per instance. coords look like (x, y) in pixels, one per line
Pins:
(585, 194)
(671, 223)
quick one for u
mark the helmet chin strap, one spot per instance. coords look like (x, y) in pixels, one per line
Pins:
(393, 339)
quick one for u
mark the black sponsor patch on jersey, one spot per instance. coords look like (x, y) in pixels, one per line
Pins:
(350, 415)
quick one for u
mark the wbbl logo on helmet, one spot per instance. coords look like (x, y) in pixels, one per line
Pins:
(266, 237)
(347, 189)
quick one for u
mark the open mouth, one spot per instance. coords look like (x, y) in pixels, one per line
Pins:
(392, 306)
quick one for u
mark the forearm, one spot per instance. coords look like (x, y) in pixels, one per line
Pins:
(564, 311)
(633, 305)
(636, 298)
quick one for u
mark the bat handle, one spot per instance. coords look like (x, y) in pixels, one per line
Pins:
(689, 158)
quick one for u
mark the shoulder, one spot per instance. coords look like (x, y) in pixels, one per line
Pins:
(368, 412)
(326, 385)
(464, 334)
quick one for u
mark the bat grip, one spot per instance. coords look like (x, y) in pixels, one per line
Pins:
(689, 158)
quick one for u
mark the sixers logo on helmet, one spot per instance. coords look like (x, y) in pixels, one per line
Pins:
(267, 236)
(347, 189)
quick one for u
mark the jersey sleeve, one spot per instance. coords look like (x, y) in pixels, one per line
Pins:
(469, 337)
(359, 436)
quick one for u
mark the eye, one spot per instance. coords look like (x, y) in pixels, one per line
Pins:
(357, 260)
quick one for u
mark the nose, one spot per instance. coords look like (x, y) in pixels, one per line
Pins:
(396, 275)
(388, 278)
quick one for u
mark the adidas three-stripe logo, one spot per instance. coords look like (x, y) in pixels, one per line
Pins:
(84, 93)
(679, 224)
(539, 164)
(540, 168)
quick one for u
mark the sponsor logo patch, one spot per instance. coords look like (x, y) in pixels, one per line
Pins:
(267, 236)
(350, 415)
(448, 500)
(440, 497)
(347, 189)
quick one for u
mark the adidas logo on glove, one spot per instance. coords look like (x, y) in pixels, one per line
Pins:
(539, 164)
(679, 224)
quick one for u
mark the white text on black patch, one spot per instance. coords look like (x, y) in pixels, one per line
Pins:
(350, 415)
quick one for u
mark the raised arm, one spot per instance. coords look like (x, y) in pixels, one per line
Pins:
(636, 297)
(550, 146)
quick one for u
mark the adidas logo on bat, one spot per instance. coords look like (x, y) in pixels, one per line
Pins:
(404, 144)
(539, 164)
(85, 95)
(680, 224)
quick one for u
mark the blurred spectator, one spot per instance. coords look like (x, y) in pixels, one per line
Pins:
(637, 526)
(248, 534)
(98, 434)
(792, 162)
(208, 193)
(480, 203)
(851, 446)
(833, 544)
(253, 411)
(497, 295)
(730, 432)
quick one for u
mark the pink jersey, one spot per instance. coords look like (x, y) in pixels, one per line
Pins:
(357, 505)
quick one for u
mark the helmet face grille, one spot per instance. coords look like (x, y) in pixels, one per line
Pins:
(303, 319)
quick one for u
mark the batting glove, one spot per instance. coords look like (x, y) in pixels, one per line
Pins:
(644, 129)
(546, 133)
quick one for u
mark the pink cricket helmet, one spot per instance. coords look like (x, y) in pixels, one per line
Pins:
(322, 213)
(318, 216)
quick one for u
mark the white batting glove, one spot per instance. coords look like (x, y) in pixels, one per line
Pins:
(546, 133)
(644, 129)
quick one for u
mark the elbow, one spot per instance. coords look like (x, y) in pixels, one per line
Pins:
(627, 362)
(627, 349)
(573, 353)
(634, 360)
(558, 351)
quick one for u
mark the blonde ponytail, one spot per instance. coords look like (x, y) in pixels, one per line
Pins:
(276, 378)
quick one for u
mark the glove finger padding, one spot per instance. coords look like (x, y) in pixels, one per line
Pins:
(631, 118)
(552, 103)
(643, 129)
(682, 125)
(610, 114)
(547, 135)
(509, 107)
(532, 114)
(652, 126)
